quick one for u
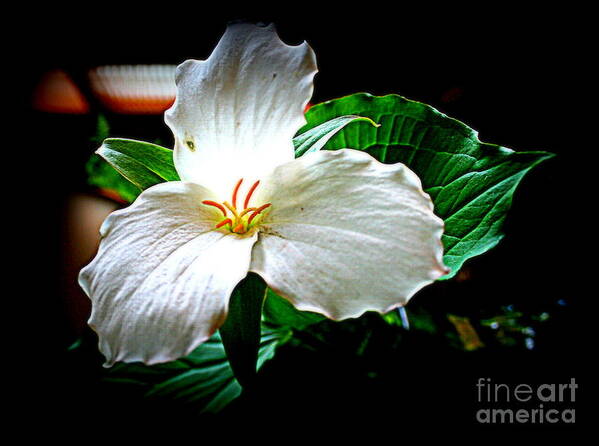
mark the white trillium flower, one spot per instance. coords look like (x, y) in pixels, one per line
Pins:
(334, 232)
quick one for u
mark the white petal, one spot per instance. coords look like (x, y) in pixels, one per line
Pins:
(161, 280)
(347, 234)
(238, 111)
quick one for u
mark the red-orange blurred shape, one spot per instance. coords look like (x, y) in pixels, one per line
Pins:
(134, 89)
(57, 93)
(112, 195)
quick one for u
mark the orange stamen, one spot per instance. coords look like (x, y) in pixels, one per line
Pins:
(234, 200)
(216, 205)
(249, 195)
(257, 211)
(226, 221)
(236, 223)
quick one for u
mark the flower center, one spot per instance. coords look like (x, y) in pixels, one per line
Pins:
(240, 221)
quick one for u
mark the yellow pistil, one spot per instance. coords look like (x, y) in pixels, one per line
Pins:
(245, 211)
(232, 209)
(242, 220)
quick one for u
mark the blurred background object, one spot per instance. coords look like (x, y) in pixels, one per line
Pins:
(135, 89)
(84, 214)
(57, 93)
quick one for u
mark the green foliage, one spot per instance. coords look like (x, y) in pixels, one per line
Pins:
(279, 311)
(471, 183)
(203, 380)
(102, 130)
(314, 139)
(241, 331)
(103, 175)
(142, 163)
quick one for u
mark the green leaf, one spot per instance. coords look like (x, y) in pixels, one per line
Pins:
(279, 311)
(103, 175)
(471, 183)
(142, 163)
(241, 331)
(315, 138)
(202, 381)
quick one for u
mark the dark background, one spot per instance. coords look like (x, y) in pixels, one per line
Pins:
(509, 74)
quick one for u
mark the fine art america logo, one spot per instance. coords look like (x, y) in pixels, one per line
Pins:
(526, 404)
